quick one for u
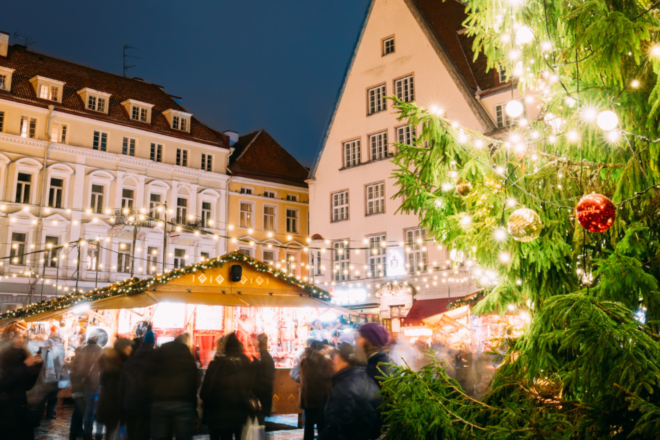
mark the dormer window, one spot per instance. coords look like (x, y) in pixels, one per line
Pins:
(48, 92)
(95, 100)
(5, 78)
(47, 88)
(178, 120)
(138, 111)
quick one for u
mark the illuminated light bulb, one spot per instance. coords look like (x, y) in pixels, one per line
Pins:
(436, 110)
(288, 237)
(524, 35)
(511, 202)
(572, 136)
(607, 120)
(500, 234)
(478, 143)
(520, 148)
(554, 78)
(466, 220)
(655, 51)
(499, 170)
(535, 134)
(589, 114)
(546, 46)
(514, 108)
(535, 157)
(515, 138)
(511, 307)
(613, 136)
(634, 84)
(250, 231)
(529, 99)
(454, 124)
(569, 101)
(453, 174)
(514, 55)
(462, 138)
(522, 122)
(505, 257)
(230, 227)
(552, 139)
(447, 187)
(506, 38)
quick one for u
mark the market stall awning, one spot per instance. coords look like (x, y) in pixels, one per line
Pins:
(424, 308)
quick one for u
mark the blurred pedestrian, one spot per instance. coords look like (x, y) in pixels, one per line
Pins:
(78, 396)
(264, 379)
(109, 411)
(371, 341)
(134, 393)
(315, 385)
(227, 391)
(19, 372)
(86, 370)
(51, 374)
(295, 371)
(352, 409)
(173, 384)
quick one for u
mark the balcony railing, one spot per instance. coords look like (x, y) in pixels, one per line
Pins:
(125, 216)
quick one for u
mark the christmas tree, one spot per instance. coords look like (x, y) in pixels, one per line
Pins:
(560, 216)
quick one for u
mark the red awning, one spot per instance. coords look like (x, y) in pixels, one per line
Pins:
(423, 308)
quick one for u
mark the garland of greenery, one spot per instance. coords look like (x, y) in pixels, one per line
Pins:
(467, 301)
(135, 286)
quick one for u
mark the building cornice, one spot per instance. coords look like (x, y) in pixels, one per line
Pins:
(250, 181)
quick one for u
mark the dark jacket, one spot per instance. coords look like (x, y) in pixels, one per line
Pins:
(315, 379)
(225, 392)
(134, 393)
(85, 369)
(352, 410)
(15, 379)
(173, 374)
(108, 409)
(381, 358)
(264, 379)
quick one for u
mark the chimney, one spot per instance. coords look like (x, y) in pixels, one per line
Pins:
(4, 43)
(232, 135)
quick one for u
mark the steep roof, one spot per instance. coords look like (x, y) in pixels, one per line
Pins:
(28, 64)
(257, 155)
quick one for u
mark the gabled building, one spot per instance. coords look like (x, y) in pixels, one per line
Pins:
(81, 152)
(418, 51)
(268, 203)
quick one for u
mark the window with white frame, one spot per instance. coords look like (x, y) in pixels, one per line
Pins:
(28, 127)
(269, 194)
(405, 134)
(340, 206)
(179, 258)
(204, 256)
(152, 260)
(290, 263)
(292, 197)
(98, 192)
(50, 92)
(2, 121)
(377, 252)
(96, 103)
(416, 248)
(23, 188)
(245, 190)
(154, 204)
(58, 132)
(388, 46)
(181, 157)
(269, 218)
(376, 97)
(179, 123)
(50, 257)
(139, 113)
(124, 258)
(246, 251)
(503, 119)
(376, 198)
(501, 74)
(314, 263)
(352, 153)
(56, 192)
(245, 215)
(404, 89)
(341, 267)
(292, 221)
(207, 162)
(181, 210)
(128, 147)
(378, 143)
(127, 199)
(100, 141)
(156, 152)
(18, 247)
(92, 262)
(206, 214)
(3, 82)
(269, 257)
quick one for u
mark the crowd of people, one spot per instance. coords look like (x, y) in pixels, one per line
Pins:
(140, 391)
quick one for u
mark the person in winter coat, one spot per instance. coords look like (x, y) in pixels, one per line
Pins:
(108, 409)
(264, 378)
(371, 341)
(315, 385)
(134, 394)
(173, 385)
(227, 391)
(78, 396)
(85, 371)
(51, 374)
(352, 409)
(18, 374)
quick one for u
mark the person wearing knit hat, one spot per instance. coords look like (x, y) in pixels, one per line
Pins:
(371, 342)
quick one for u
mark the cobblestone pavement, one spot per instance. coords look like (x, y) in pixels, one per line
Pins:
(58, 429)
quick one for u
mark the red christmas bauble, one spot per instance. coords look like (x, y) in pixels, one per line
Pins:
(595, 212)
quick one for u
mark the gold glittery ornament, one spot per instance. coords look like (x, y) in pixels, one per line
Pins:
(524, 225)
(463, 188)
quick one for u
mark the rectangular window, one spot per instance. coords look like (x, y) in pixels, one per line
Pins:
(128, 147)
(51, 254)
(157, 152)
(48, 92)
(352, 153)
(179, 258)
(124, 258)
(245, 220)
(503, 119)
(376, 199)
(315, 262)
(415, 239)
(18, 245)
(184, 124)
(245, 251)
(92, 258)
(181, 210)
(55, 193)
(292, 221)
(143, 115)
(388, 45)
(207, 162)
(376, 98)
(100, 106)
(340, 206)
(95, 103)
(246, 190)
(341, 267)
(58, 133)
(23, 188)
(292, 197)
(127, 199)
(404, 89)
(377, 252)
(3, 82)
(97, 198)
(154, 203)
(405, 135)
(378, 145)
(181, 157)
(175, 122)
(152, 260)
(269, 257)
(28, 127)
(203, 256)
(290, 262)
(206, 214)
(91, 102)
(269, 218)
(2, 121)
(100, 141)
(135, 113)
(269, 194)
(501, 73)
